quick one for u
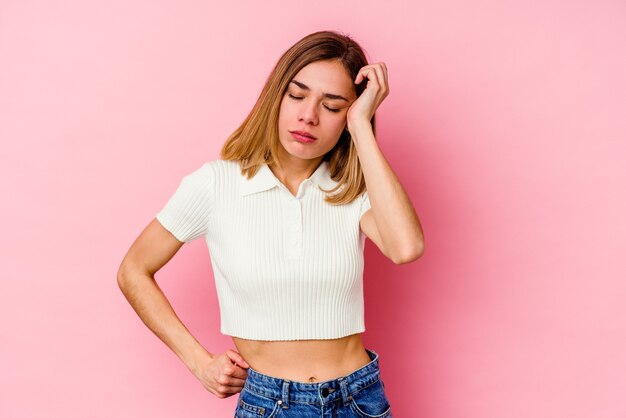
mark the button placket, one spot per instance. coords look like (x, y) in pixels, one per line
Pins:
(294, 229)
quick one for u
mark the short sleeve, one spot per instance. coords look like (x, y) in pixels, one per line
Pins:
(365, 204)
(187, 211)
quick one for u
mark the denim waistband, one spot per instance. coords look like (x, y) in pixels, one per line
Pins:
(314, 393)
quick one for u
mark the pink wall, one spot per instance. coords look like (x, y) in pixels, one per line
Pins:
(505, 123)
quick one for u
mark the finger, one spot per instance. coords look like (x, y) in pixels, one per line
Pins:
(385, 72)
(381, 79)
(239, 383)
(362, 73)
(359, 77)
(236, 357)
(372, 76)
(231, 381)
(239, 373)
(227, 390)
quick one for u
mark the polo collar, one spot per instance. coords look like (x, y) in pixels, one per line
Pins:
(265, 180)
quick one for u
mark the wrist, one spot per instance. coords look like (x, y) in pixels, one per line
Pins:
(198, 360)
(358, 124)
(361, 129)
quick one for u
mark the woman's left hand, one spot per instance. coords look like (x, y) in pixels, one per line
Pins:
(363, 108)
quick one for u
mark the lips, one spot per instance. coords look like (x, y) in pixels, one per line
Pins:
(303, 133)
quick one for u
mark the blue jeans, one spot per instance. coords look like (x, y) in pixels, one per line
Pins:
(359, 394)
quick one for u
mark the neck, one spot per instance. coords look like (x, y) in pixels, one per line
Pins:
(295, 170)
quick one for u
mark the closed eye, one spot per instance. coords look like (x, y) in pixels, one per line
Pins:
(300, 98)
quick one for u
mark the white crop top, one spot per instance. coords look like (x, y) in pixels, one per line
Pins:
(286, 267)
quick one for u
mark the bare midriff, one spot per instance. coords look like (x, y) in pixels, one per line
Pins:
(306, 361)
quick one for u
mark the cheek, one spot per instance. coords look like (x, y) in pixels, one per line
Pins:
(338, 123)
(283, 110)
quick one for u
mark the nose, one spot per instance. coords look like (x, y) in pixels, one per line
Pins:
(308, 112)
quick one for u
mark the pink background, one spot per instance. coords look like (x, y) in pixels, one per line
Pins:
(505, 123)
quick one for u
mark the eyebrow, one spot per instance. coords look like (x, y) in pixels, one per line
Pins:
(328, 95)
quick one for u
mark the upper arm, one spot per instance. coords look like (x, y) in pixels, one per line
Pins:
(152, 249)
(188, 210)
(182, 219)
(367, 223)
(369, 228)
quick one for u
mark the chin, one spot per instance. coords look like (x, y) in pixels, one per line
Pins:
(297, 150)
(304, 155)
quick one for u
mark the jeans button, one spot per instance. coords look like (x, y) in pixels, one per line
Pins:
(324, 392)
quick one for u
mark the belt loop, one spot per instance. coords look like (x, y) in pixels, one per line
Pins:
(285, 403)
(343, 383)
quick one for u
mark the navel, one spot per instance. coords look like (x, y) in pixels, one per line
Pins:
(312, 379)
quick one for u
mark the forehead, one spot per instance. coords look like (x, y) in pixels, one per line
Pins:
(327, 77)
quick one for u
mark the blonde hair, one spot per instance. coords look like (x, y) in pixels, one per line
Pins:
(256, 141)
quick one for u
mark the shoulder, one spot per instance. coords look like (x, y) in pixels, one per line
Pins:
(220, 167)
(211, 169)
(217, 176)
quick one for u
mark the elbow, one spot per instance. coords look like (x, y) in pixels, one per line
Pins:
(409, 254)
(125, 276)
(129, 274)
(121, 277)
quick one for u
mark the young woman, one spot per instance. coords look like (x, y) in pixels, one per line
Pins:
(285, 212)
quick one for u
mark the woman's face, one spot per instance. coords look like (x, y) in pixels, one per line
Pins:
(316, 102)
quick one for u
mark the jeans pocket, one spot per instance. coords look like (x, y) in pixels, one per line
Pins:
(253, 405)
(371, 402)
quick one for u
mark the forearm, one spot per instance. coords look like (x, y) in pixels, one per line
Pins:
(150, 303)
(395, 217)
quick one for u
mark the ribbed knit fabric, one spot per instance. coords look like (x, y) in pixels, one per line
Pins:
(286, 267)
